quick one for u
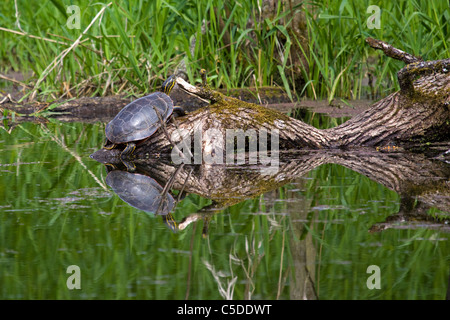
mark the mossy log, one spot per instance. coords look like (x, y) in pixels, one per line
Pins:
(418, 113)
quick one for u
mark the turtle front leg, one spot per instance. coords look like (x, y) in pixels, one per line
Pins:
(178, 112)
(128, 150)
(129, 165)
(125, 154)
(108, 145)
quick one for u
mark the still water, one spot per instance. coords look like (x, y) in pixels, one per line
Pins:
(308, 238)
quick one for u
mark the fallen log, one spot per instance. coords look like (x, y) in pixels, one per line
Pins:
(418, 113)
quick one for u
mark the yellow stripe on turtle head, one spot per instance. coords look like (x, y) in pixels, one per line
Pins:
(168, 85)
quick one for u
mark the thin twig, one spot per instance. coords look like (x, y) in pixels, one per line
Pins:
(33, 36)
(79, 159)
(14, 80)
(281, 267)
(17, 16)
(199, 92)
(164, 128)
(392, 52)
(184, 184)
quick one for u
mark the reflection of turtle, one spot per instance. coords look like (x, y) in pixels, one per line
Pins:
(141, 192)
(141, 118)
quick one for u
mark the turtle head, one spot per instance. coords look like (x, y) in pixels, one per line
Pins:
(168, 85)
(170, 222)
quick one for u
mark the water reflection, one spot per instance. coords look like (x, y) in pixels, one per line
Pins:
(145, 193)
(305, 236)
(302, 234)
(421, 182)
(141, 192)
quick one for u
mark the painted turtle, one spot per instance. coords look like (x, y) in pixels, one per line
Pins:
(138, 120)
(141, 192)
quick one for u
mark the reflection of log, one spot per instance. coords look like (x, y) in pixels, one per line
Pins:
(412, 176)
(420, 111)
(412, 219)
(228, 185)
(402, 172)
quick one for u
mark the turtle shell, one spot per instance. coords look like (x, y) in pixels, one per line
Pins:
(138, 120)
(140, 191)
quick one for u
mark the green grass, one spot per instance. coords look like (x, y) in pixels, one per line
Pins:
(133, 45)
(339, 58)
